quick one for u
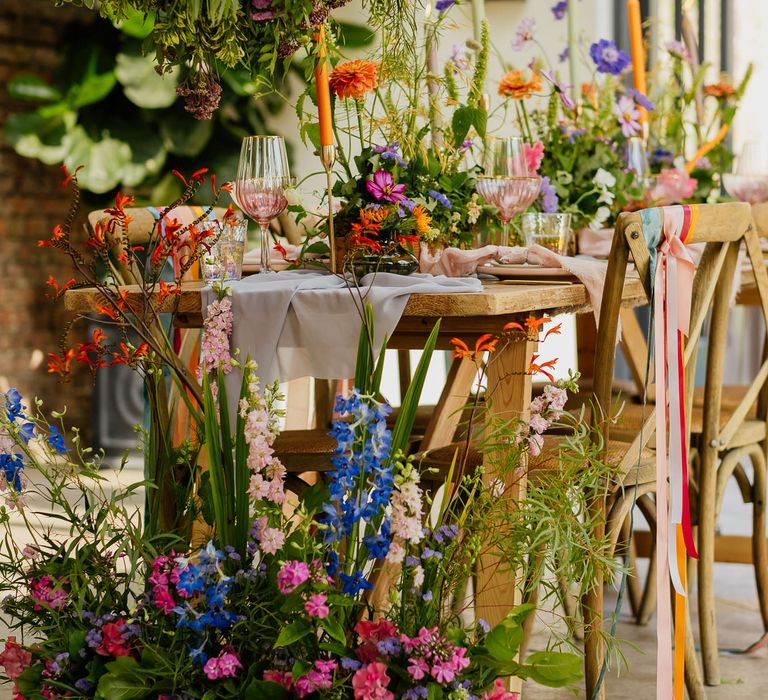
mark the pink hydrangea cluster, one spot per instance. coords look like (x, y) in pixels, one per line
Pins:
(268, 473)
(320, 677)
(45, 592)
(226, 665)
(431, 654)
(545, 410)
(217, 330)
(406, 516)
(164, 575)
(370, 682)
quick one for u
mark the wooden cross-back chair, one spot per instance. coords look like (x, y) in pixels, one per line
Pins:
(724, 228)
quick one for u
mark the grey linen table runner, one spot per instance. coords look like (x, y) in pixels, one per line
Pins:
(304, 323)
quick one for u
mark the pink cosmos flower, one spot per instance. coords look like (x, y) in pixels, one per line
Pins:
(560, 88)
(524, 33)
(629, 116)
(316, 606)
(533, 156)
(291, 575)
(499, 692)
(14, 658)
(370, 683)
(383, 187)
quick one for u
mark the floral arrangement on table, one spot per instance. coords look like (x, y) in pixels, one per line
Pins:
(410, 168)
(282, 599)
(582, 133)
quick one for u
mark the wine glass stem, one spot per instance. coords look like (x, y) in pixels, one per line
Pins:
(504, 240)
(265, 247)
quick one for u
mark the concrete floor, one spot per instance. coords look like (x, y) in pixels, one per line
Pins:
(739, 625)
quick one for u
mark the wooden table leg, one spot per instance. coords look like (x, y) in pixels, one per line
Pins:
(508, 395)
(447, 415)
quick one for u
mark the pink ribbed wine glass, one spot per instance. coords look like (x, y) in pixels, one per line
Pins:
(262, 178)
(506, 182)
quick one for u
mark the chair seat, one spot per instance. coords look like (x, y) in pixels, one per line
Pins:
(305, 450)
(547, 463)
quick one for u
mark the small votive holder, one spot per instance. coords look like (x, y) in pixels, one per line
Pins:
(552, 231)
(224, 260)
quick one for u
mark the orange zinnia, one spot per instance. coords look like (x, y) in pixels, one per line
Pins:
(354, 78)
(721, 90)
(514, 85)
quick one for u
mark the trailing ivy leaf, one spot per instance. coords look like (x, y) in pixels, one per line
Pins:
(141, 83)
(25, 86)
(293, 633)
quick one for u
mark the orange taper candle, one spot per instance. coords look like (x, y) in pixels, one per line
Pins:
(636, 46)
(325, 118)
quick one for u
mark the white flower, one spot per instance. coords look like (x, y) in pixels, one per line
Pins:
(601, 216)
(604, 179)
(292, 196)
(418, 576)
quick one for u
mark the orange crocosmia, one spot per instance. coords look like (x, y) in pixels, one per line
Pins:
(486, 343)
(513, 326)
(143, 349)
(542, 367)
(167, 290)
(555, 330)
(354, 78)
(97, 239)
(98, 336)
(69, 176)
(108, 311)
(229, 214)
(533, 324)
(514, 85)
(373, 216)
(55, 285)
(199, 175)
(60, 364)
(123, 257)
(365, 242)
(58, 233)
(460, 348)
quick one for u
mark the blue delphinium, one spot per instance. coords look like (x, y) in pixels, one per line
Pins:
(361, 483)
(56, 440)
(440, 197)
(608, 57)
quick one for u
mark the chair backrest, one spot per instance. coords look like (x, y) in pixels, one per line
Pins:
(723, 228)
(142, 224)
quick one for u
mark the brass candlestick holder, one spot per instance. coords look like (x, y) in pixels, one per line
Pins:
(328, 158)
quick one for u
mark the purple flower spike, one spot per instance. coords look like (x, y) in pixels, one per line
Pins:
(383, 187)
(608, 57)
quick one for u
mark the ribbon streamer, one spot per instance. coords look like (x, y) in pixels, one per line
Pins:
(672, 270)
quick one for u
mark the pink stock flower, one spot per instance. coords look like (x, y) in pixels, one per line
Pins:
(224, 666)
(217, 330)
(291, 575)
(271, 540)
(316, 606)
(14, 658)
(534, 154)
(499, 692)
(535, 444)
(370, 683)
(283, 678)
(383, 187)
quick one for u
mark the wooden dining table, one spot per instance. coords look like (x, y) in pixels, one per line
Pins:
(466, 316)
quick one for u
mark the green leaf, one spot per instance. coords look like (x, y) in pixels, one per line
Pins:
(312, 132)
(94, 88)
(293, 633)
(313, 497)
(136, 24)
(434, 692)
(463, 118)
(141, 83)
(264, 690)
(148, 154)
(104, 159)
(183, 135)
(504, 640)
(334, 629)
(206, 498)
(353, 35)
(553, 668)
(125, 680)
(76, 642)
(480, 120)
(45, 138)
(25, 86)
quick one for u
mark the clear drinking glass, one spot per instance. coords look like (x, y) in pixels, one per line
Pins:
(637, 160)
(553, 231)
(225, 259)
(506, 182)
(262, 178)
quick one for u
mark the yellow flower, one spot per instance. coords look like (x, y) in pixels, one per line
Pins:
(354, 78)
(423, 221)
